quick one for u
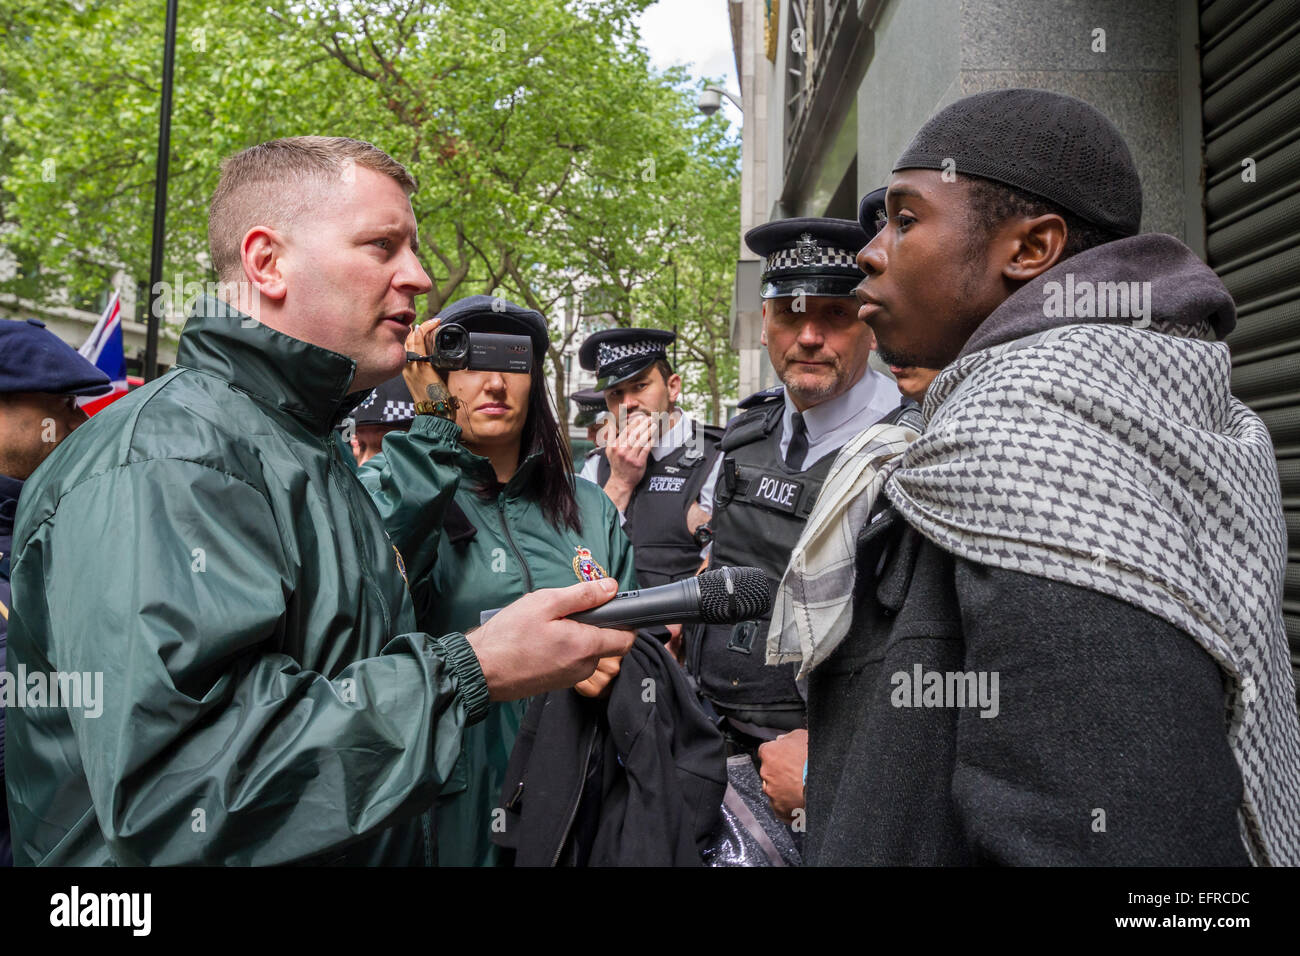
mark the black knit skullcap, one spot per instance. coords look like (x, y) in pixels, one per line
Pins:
(1048, 144)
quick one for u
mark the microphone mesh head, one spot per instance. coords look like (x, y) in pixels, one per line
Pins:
(732, 595)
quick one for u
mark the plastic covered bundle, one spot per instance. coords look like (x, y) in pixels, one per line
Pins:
(750, 834)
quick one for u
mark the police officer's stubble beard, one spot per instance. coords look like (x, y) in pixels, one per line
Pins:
(837, 386)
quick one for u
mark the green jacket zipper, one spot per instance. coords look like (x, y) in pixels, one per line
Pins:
(505, 527)
(367, 575)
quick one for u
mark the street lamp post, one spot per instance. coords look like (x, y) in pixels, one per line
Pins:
(674, 265)
(160, 198)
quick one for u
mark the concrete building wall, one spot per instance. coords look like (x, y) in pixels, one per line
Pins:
(760, 162)
(914, 66)
(930, 53)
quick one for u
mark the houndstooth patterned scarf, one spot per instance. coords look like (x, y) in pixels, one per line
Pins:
(813, 607)
(1116, 458)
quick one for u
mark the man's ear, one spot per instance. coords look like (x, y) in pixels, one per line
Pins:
(674, 388)
(762, 335)
(1037, 245)
(261, 253)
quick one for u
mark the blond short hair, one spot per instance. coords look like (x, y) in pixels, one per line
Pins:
(278, 182)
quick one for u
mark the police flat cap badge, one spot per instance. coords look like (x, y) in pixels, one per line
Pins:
(585, 566)
(871, 212)
(807, 247)
(808, 256)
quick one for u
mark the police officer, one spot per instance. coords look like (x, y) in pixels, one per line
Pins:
(657, 458)
(388, 408)
(40, 379)
(777, 451)
(591, 414)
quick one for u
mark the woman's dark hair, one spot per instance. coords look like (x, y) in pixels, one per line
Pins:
(542, 434)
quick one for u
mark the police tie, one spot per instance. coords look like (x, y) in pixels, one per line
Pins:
(797, 450)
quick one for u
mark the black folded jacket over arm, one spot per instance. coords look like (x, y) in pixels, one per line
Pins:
(634, 780)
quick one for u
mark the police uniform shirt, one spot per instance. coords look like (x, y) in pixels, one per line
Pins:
(668, 443)
(831, 424)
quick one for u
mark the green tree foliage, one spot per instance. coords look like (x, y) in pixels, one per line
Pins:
(80, 127)
(554, 164)
(692, 295)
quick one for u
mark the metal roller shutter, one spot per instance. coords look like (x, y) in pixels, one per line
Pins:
(1250, 89)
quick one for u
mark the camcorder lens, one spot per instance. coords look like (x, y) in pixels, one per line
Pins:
(451, 348)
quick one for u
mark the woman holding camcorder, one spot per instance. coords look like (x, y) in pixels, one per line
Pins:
(487, 455)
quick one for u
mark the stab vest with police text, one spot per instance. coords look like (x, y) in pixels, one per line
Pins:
(759, 511)
(655, 520)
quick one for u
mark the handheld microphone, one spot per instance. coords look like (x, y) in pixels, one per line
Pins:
(721, 596)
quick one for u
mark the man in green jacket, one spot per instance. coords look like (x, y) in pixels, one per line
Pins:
(201, 548)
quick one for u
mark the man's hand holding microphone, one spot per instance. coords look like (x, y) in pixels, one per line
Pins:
(532, 646)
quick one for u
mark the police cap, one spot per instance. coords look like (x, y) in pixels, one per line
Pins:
(389, 404)
(616, 355)
(808, 256)
(591, 407)
(871, 212)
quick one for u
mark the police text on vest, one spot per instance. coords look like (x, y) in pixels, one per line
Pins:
(774, 491)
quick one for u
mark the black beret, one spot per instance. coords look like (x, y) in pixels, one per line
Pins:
(616, 355)
(34, 359)
(487, 313)
(1048, 144)
(808, 256)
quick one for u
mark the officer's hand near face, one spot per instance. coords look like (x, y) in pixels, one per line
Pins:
(628, 451)
(529, 647)
(783, 761)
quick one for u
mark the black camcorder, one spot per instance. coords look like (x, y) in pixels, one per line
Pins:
(456, 348)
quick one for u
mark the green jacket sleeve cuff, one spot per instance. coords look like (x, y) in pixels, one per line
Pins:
(435, 427)
(464, 666)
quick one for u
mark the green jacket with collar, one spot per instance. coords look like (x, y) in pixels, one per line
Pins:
(201, 548)
(457, 573)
